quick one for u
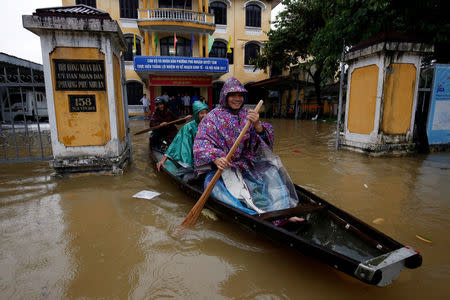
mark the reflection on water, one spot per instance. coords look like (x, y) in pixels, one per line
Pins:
(87, 237)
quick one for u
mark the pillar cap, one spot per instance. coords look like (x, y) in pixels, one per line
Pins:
(75, 11)
(388, 42)
(77, 18)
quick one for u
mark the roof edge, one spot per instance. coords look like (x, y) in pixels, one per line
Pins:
(14, 60)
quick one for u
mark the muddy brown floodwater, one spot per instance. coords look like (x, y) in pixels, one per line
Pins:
(87, 237)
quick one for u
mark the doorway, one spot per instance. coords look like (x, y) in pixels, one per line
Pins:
(182, 90)
(134, 92)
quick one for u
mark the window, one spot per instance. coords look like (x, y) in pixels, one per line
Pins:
(175, 4)
(219, 10)
(183, 47)
(219, 49)
(251, 51)
(134, 92)
(230, 56)
(253, 16)
(275, 71)
(91, 3)
(128, 8)
(128, 55)
(216, 87)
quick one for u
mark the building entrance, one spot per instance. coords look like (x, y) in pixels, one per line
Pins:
(181, 90)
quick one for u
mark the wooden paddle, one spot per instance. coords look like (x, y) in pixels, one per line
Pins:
(193, 215)
(159, 126)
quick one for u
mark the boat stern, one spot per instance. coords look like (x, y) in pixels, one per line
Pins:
(384, 269)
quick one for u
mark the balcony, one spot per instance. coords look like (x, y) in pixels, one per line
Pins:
(179, 20)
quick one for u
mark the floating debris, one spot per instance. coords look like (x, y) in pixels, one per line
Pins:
(146, 194)
(378, 221)
(423, 239)
(209, 214)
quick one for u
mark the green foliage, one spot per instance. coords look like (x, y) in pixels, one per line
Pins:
(314, 30)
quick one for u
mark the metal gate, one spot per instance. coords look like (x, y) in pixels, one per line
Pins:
(24, 129)
(423, 103)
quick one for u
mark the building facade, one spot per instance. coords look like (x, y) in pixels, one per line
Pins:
(187, 46)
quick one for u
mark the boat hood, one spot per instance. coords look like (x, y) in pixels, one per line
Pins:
(232, 85)
(198, 106)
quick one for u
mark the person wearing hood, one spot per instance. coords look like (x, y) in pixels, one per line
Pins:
(161, 116)
(180, 150)
(254, 180)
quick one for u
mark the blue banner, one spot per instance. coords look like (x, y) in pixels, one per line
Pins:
(180, 64)
(438, 128)
(442, 82)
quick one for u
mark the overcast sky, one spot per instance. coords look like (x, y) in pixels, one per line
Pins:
(16, 40)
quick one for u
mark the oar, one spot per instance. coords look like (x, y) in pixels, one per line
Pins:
(158, 126)
(193, 215)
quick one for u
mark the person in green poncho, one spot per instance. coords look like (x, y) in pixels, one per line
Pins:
(180, 150)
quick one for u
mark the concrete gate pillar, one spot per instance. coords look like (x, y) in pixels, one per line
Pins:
(383, 79)
(83, 81)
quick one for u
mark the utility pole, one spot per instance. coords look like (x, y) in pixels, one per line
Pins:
(341, 83)
(296, 96)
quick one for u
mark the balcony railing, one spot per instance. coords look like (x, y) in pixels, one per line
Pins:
(178, 15)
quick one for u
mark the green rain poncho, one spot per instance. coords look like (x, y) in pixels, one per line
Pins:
(181, 147)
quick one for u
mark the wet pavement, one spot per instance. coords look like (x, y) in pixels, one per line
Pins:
(87, 237)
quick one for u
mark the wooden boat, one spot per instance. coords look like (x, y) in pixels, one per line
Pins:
(330, 234)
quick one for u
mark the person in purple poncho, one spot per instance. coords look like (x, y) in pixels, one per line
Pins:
(254, 180)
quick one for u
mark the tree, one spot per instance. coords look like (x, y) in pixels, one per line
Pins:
(311, 32)
(292, 41)
(417, 20)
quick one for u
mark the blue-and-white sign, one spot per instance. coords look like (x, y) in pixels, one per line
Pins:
(438, 127)
(180, 64)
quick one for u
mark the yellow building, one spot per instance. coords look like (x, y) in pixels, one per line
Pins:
(168, 43)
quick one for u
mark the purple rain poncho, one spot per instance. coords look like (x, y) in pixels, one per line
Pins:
(222, 126)
(257, 181)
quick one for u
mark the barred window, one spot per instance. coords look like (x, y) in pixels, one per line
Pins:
(253, 16)
(91, 3)
(251, 51)
(175, 4)
(230, 56)
(128, 55)
(219, 49)
(128, 8)
(134, 92)
(219, 10)
(183, 47)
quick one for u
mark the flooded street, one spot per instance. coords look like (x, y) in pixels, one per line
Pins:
(87, 237)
